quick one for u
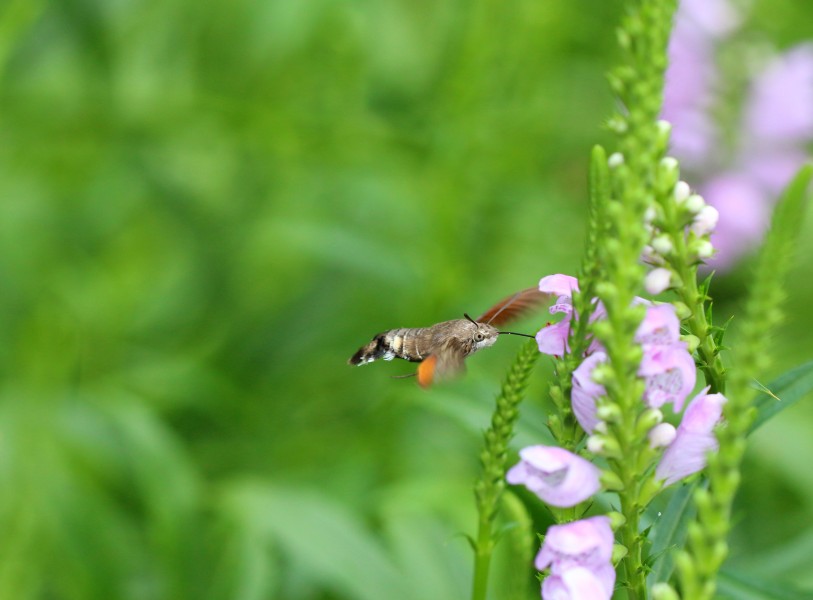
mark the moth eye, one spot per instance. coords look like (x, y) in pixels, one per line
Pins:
(479, 336)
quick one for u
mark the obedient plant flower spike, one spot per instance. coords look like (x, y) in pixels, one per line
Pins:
(489, 488)
(697, 566)
(642, 143)
(682, 263)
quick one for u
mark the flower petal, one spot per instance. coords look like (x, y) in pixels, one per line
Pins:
(552, 339)
(670, 374)
(585, 391)
(694, 439)
(585, 543)
(560, 285)
(560, 478)
(660, 326)
(580, 583)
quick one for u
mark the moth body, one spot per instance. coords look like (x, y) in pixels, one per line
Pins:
(416, 343)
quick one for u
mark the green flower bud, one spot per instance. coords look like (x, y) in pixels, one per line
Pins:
(664, 591)
(611, 481)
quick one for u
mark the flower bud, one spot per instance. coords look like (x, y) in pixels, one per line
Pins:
(705, 221)
(657, 280)
(619, 552)
(604, 445)
(691, 341)
(617, 520)
(611, 481)
(664, 591)
(668, 173)
(704, 249)
(664, 127)
(616, 159)
(681, 192)
(650, 214)
(617, 124)
(661, 435)
(682, 311)
(648, 419)
(608, 413)
(602, 374)
(695, 203)
(662, 244)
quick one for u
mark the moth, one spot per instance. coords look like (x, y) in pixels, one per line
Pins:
(442, 348)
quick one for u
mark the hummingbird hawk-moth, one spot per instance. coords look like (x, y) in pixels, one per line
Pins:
(442, 349)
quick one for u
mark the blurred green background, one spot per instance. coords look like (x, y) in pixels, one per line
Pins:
(206, 208)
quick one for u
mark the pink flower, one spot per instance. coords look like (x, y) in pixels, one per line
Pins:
(560, 285)
(660, 326)
(694, 440)
(744, 213)
(780, 107)
(552, 339)
(578, 555)
(658, 280)
(670, 375)
(560, 478)
(585, 391)
(580, 583)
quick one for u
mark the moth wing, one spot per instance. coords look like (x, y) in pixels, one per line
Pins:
(513, 307)
(446, 364)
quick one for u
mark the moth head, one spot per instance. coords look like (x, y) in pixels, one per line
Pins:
(482, 334)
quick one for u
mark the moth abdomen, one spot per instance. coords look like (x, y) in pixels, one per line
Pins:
(395, 343)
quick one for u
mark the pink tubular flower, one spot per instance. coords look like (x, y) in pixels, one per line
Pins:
(560, 478)
(660, 326)
(580, 583)
(585, 391)
(578, 555)
(552, 339)
(670, 375)
(694, 440)
(561, 285)
(774, 116)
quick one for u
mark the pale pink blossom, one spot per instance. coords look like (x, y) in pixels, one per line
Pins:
(559, 477)
(585, 392)
(670, 375)
(694, 438)
(584, 543)
(580, 583)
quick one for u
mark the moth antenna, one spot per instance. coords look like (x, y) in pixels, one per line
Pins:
(503, 307)
(470, 319)
(515, 333)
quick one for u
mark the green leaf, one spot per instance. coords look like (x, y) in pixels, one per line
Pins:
(785, 391)
(739, 586)
(669, 532)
